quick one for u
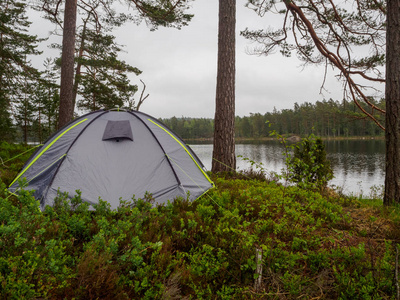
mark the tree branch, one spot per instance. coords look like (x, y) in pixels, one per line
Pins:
(141, 100)
(335, 59)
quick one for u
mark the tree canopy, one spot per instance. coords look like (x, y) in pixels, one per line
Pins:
(16, 72)
(333, 34)
(101, 17)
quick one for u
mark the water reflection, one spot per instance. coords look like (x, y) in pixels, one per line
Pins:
(357, 164)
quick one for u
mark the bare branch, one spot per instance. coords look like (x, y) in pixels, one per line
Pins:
(141, 100)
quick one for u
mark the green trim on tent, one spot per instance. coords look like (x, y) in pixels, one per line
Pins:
(45, 149)
(183, 171)
(187, 151)
(58, 159)
(61, 157)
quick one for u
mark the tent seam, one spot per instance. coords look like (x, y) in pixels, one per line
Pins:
(159, 144)
(45, 149)
(66, 153)
(187, 151)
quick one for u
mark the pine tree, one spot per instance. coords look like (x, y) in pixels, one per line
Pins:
(328, 32)
(167, 13)
(224, 158)
(15, 46)
(392, 93)
(102, 81)
(49, 97)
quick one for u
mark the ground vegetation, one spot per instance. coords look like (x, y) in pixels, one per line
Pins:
(248, 238)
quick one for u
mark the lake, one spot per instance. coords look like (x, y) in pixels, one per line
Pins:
(357, 165)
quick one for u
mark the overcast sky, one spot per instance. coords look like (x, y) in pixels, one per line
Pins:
(179, 67)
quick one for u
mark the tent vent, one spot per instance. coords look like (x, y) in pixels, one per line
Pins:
(118, 130)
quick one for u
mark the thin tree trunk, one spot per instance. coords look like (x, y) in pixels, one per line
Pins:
(67, 64)
(224, 158)
(48, 116)
(25, 123)
(40, 122)
(79, 64)
(392, 94)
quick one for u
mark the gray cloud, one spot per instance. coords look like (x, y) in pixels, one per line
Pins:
(179, 67)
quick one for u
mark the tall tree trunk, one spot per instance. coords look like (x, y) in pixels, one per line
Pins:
(67, 64)
(392, 94)
(224, 158)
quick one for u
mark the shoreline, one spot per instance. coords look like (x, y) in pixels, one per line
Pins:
(294, 138)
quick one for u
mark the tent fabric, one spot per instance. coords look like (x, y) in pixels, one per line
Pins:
(114, 155)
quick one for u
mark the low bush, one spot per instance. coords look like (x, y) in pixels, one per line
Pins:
(311, 246)
(12, 159)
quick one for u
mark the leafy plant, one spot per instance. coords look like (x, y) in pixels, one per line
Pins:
(309, 164)
(306, 162)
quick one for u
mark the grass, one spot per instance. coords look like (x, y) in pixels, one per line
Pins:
(313, 246)
(12, 158)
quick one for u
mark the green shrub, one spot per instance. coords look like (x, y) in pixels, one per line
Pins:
(306, 162)
(309, 165)
(206, 249)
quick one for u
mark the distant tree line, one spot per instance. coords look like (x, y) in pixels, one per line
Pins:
(327, 118)
(191, 128)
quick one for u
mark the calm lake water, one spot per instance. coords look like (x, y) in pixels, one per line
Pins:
(357, 165)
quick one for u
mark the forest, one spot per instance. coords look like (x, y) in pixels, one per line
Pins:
(31, 98)
(328, 118)
(250, 237)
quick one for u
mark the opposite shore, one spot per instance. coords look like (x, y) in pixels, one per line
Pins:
(290, 138)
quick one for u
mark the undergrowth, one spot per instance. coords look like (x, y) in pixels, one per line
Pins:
(311, 245)
(12, 158)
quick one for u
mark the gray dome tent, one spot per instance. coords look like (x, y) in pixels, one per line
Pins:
(114, 155)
